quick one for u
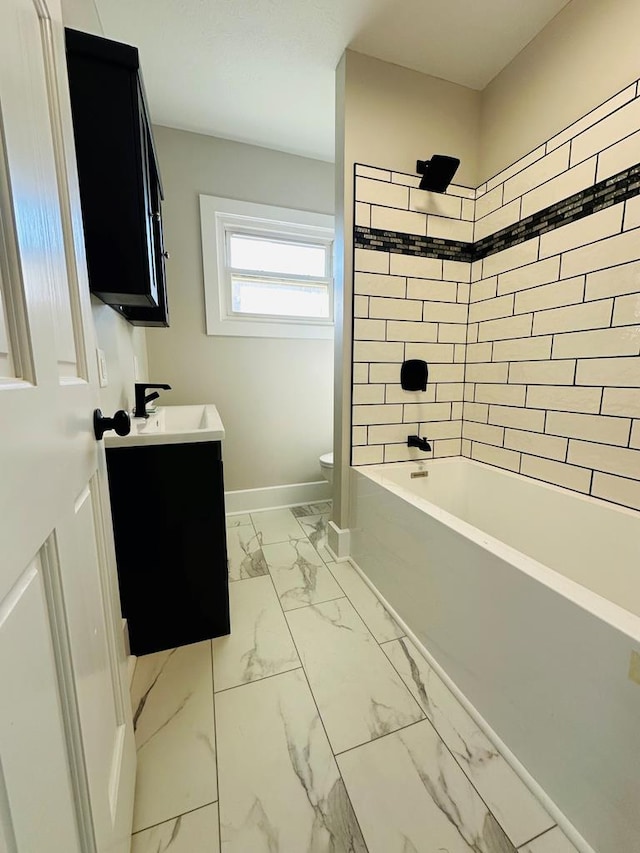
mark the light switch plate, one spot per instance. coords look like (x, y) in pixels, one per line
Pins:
(102, 368)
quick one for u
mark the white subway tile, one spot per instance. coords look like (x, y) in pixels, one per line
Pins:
(430, 352)
(436, 290)
(396, 394)
(549, 446)
(456, 411)
(558, 473)
(391, 434)
(441, 429)
(361, 306)
(465, 448)
(380, 285)
(360, 373)
(613, 281)
(359, 435)
(368, 394)
(363, 214)
(383, 414)
(436, 203)
(472, 333)
(508, 327)
(384, 372)
(621, 123)
(539, 272)
(489, 202)
(380, 192)
(366, 260)
(457, 271)
(476, 412)
(469, 392)
(516, 167)
(402, 453)
(621, 401)
(600, 428)
(497, 220)
(478, 352)
(517, 418)
(620, 156)
(602, 224)
(445, 312)
(459, 352)
(415, 267)
(509, 259)
(446, 373)
(524, 349)
(538, 173)
(464, 289)
(369, 330)
(452, 333)
(485, 288)
(626, 310)
(491, 309)
(620, 372)
(389, 219)
(450, 229)
(476, 271)
(605, 253)
(486, 433)
(367, 455)
(468, 209)
(632, 213)
(635, 435)
(620, 490)
(542, 372)
(372, 172)
(601, 342)
(605, 457)
(424, 412)
(446, 447)
(593, 117)
(404, 330)
(559, 188)
(501, 395)
(495, 456)
(588, 315)
(377, 351)
(487, 372)
(394, 309)
(564, 398)
(449, 392)
(554, 295)
(463, 192)
(405, 180)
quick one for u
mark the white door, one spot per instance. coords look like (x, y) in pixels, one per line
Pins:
(67, 761)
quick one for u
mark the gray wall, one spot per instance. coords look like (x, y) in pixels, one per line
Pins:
(274, 395)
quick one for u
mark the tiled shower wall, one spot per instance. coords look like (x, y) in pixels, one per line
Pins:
(552, 362)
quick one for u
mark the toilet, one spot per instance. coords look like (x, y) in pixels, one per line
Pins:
(326, 466)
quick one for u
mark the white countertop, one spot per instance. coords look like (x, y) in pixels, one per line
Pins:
(171, 425)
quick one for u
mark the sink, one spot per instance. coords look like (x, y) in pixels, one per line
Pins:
(171, 425)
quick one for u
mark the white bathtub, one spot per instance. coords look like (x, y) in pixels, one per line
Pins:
(528, 597)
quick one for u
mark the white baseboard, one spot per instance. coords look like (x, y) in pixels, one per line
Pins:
(270, 497)
(536, 789)
(339, 541)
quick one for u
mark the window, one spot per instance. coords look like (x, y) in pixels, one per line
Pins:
(267, 270)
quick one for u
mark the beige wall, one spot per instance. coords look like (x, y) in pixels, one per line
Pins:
(274, 395)
(583, 56)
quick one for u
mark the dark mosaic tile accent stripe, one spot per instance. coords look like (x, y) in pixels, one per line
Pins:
(613, 190)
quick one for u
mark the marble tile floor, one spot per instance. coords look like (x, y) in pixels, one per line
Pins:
(317, 726)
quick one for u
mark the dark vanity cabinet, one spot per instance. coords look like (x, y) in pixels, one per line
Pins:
(120, 186)
(167, 503)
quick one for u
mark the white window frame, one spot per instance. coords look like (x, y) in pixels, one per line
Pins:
(218, 216)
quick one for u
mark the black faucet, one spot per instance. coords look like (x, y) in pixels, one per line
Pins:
(142, 398)
(420, 443)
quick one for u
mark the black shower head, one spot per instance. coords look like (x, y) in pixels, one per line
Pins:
(437, 172)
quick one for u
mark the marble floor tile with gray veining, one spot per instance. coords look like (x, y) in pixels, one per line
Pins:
(554, 841)
(194, 832)
(359, 694)
(410, 796)
(259, 644)
(238, 520)
(277, 525)
(369, 607)
(322, 508)
(174, 731)
(244, 553)
(315, 528)
(299, 574)
(280, 789)
(519, 812)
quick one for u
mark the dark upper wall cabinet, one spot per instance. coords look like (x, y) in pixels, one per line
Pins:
(120, 187)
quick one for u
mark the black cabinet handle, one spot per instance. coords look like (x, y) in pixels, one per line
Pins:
(120, 422)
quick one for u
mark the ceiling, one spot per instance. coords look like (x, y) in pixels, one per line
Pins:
(262, 71)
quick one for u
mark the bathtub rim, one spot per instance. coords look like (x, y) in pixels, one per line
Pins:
(616, 616)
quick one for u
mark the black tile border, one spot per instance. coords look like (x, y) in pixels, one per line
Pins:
(605, 193)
